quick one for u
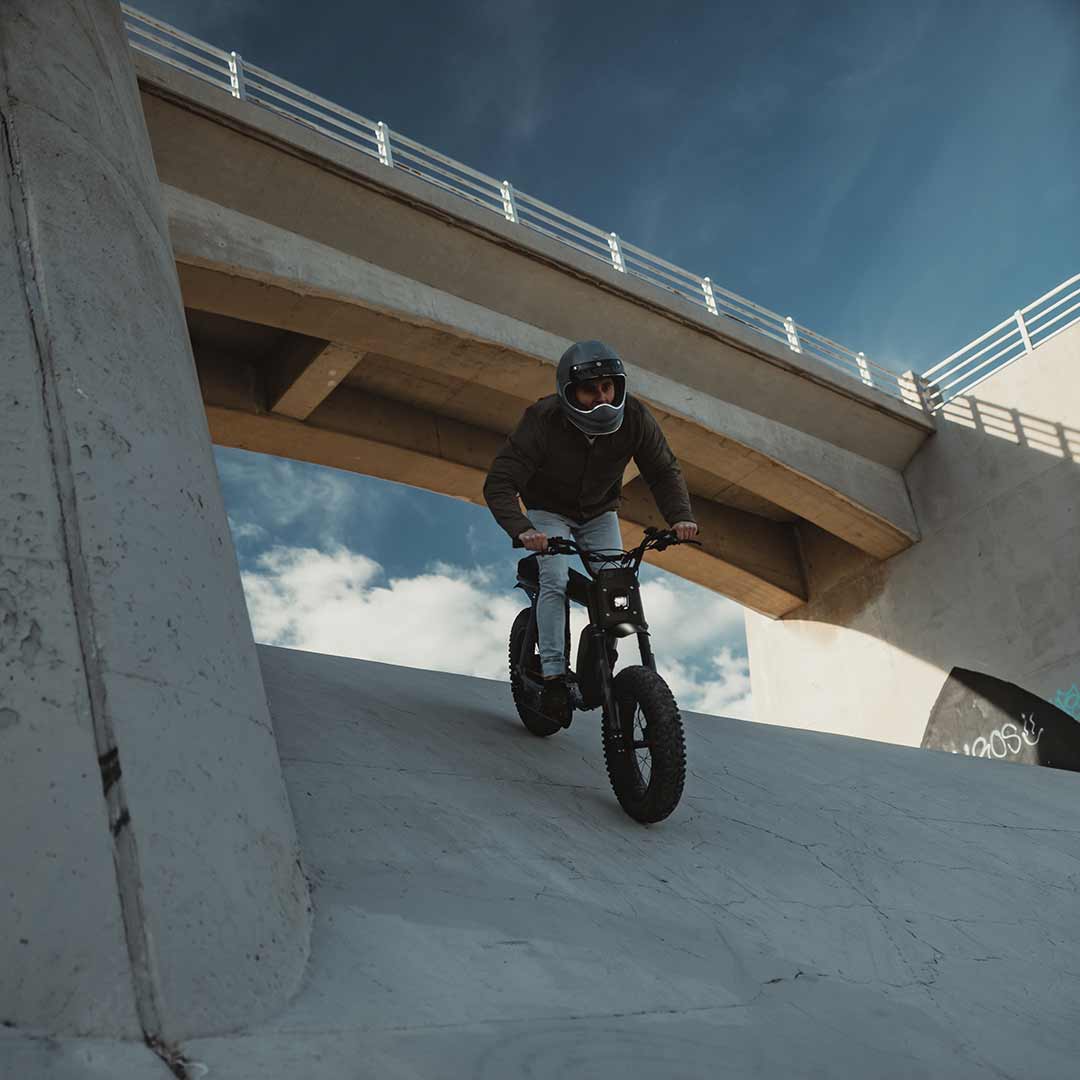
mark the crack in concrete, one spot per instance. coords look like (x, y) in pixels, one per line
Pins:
(629, 1014)
(175, 1061)
(905, 813)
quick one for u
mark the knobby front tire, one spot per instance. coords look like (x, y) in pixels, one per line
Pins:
(527, 701)
(648, 778)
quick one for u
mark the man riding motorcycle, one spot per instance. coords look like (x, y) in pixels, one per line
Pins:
(566, 460)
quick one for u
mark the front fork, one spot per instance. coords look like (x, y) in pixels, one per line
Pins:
(645, 646)
(607, 681)
(607, 688)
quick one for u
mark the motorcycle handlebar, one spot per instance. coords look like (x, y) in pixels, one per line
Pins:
(654, 539)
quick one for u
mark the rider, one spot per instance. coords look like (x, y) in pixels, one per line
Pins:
(566, 460)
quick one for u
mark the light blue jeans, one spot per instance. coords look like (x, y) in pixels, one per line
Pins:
(599, 534)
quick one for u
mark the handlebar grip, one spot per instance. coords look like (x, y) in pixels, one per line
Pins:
(559, 545)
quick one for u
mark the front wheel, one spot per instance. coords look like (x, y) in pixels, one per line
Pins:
(644, 746)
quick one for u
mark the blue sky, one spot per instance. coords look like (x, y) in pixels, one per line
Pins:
(899, 177)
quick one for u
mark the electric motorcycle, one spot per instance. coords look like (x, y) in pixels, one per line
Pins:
(642, 731)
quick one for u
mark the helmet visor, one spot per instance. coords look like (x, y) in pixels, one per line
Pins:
(571, 398)
(605, 367)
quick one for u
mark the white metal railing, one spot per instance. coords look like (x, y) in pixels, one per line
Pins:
(1011, 339)
(231, 73)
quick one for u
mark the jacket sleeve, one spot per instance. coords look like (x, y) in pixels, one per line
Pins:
(661, 471)
(519, 458)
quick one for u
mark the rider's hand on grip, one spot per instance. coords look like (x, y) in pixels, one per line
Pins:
(533, 540)
(681, 533)
(685, 530)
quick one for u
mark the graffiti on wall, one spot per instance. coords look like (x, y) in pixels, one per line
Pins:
(1069, 701)
(1005, 740)
(981, 716)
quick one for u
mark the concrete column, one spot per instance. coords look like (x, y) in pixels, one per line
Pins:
(149, 875)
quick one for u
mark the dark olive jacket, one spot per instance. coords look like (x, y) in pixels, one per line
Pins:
(552, 466)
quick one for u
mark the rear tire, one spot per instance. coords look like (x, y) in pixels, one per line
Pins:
(526, 700)
(647, 780)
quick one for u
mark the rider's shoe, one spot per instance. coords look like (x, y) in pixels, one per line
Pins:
(555, 702)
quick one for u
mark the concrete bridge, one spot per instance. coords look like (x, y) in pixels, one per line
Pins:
(353, 315)
(348, 314)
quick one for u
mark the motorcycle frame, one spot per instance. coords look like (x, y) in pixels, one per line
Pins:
(599, 613)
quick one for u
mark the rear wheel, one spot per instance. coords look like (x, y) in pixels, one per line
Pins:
(644, 746)
(526, 699)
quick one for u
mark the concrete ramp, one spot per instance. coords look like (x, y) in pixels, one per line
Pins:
(818, 906)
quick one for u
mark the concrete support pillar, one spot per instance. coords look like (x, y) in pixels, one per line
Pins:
(149, 876)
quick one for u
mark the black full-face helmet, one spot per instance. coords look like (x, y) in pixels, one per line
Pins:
(586, 360)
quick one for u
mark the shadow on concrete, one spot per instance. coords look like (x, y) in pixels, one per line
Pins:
(1019, 428)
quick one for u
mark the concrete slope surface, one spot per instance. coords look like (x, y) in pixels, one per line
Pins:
(818, 906)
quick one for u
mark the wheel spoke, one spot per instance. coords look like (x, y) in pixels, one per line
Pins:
(635, 740)
(644, 768)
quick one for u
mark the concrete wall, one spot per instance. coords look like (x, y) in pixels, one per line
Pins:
(993, 586)
(151, 884)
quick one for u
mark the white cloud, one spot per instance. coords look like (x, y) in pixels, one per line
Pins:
(452, 619)
(718, 687)
(688, 617)
(287, 491)
(337, 602)
(246, 530)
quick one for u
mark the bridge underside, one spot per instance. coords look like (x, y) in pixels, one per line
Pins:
(414, 385)
(276, 392)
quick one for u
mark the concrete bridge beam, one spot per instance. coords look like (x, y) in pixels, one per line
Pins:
(306, 374)
(749, 558)
(151, 885)
(235, 265)
(210, 144)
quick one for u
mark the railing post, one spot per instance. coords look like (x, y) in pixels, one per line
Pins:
(864, 368)
(616, 253)
(509, 206)
(914, 391)
(382, 137)
(236, 76)
(710, 296)
(792, 335)
(1019, 317)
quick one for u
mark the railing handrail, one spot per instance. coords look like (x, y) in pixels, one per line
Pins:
(168, 28)
(1020, 334)
(269, 91)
